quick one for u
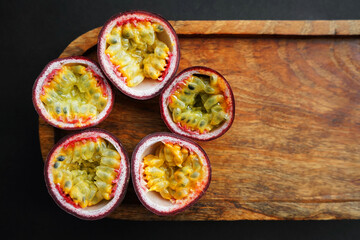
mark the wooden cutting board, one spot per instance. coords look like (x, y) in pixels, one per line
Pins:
(293, 151)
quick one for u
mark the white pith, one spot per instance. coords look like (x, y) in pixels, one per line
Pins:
(43, 78)
(148, 87)
(105, 205)
(153, 199)
(168, 116)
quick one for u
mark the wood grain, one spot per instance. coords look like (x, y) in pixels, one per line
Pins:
(293, 150)
(270, 27)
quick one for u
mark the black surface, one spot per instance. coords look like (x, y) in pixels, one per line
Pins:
(35, 32)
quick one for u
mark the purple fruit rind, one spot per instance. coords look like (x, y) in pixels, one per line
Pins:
(103, 62)
(134, 175)
(126, 172)
(56, 123)
(165, 112)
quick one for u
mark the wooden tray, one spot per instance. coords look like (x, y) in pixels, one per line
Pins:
(293, 151)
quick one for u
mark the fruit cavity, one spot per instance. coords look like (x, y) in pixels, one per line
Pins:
(86, 170)
(198, 103)
(136, 52)
(173, 171)
(74, 94)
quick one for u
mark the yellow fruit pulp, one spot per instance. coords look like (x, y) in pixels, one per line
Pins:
(136, 51)
(73, 95)
(173, 171)
(85, 170)
(198, 103)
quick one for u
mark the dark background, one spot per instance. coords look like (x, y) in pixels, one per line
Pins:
(35, 32)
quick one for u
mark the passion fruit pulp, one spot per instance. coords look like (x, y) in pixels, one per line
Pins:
(169, 173)
(198, 103)
(139, 52)
(72, 93)
(87, 173)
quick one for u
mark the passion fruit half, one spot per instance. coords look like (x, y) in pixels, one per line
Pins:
(198, 103)
(72, 93)
(87, 173)
(169, 173)
(139, 52)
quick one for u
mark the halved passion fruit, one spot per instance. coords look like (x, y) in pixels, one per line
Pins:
(198, 103)
(87, 173)
(169, 173)
(72, 93)
(139, 52)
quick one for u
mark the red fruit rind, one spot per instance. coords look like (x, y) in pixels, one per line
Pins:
(49, 71)
(176, 127)
(152, 200)
(103, 208)
(149, 88)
